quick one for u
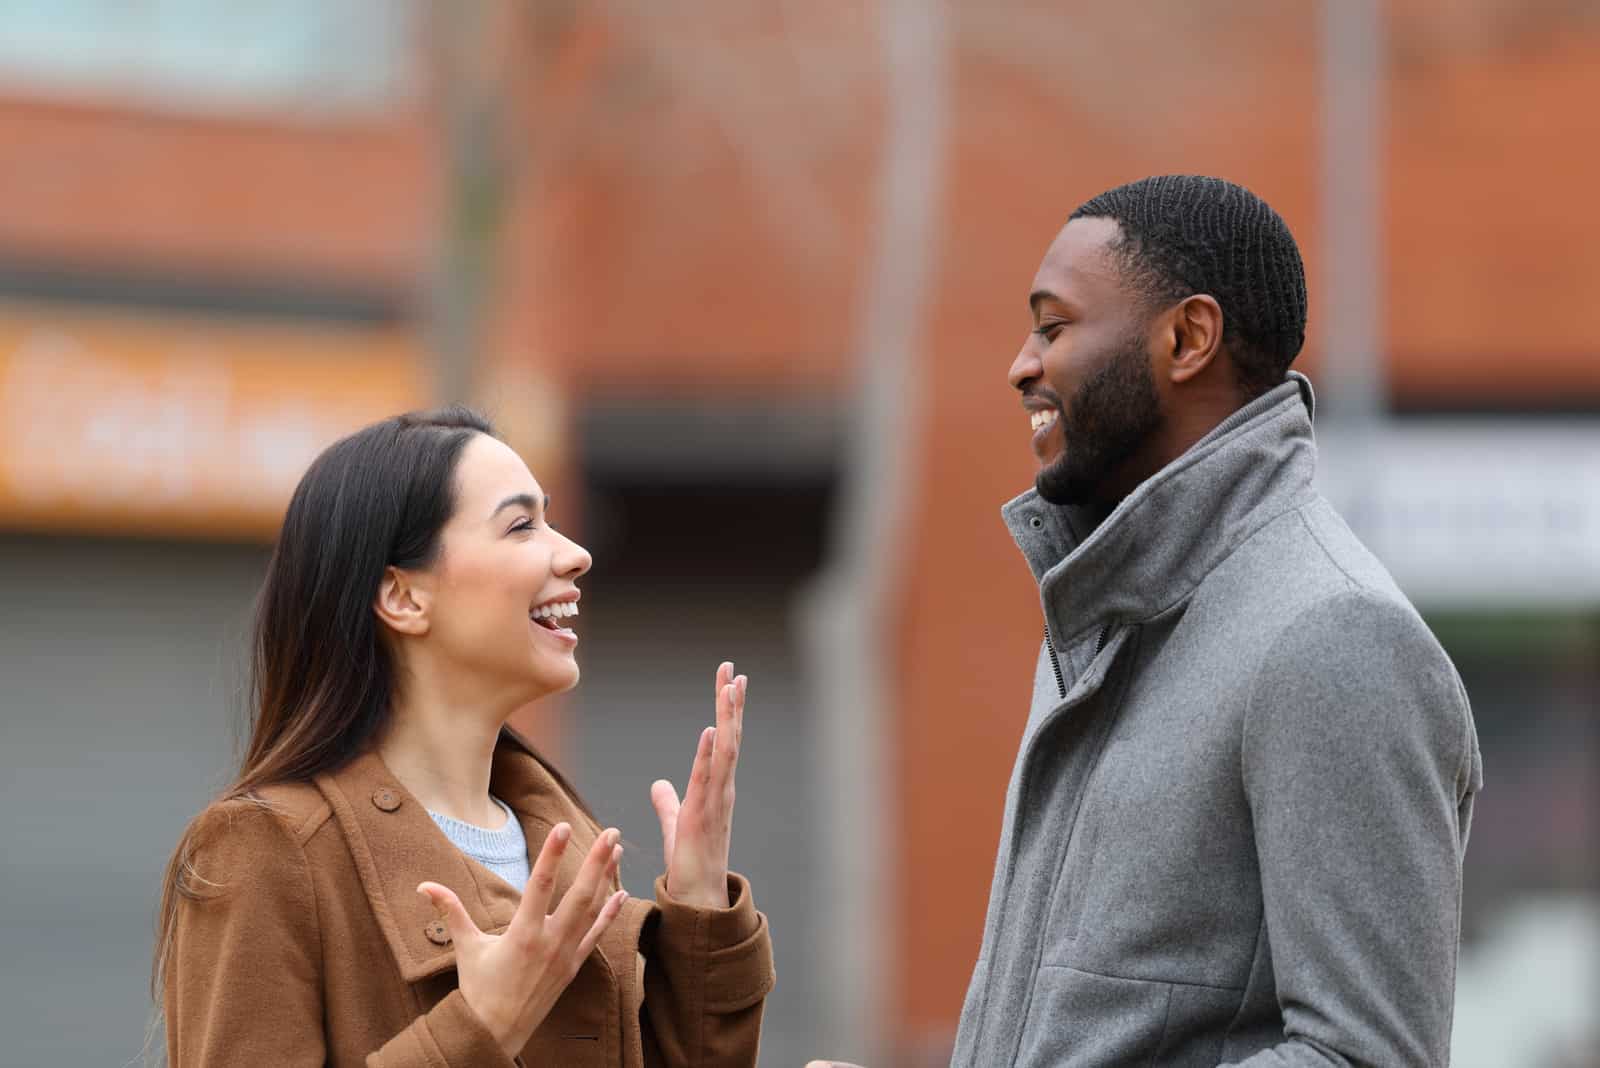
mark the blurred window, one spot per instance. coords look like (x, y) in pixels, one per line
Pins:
(317, 57)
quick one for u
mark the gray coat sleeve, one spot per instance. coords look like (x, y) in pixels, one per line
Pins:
(1360, 764)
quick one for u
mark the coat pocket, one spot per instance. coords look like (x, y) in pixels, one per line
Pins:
(1079, 1018)
(1083, 1018)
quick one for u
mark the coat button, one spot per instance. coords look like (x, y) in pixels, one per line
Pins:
(386, 798)
(1035, 522)
(437, 933)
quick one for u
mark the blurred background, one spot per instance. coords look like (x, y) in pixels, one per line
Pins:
(741, 279)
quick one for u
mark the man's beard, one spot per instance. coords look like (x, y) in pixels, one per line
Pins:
(1106, 421)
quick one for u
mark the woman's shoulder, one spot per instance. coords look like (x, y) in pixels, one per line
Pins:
(266, 827)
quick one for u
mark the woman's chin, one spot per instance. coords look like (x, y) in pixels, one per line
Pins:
(554, 678)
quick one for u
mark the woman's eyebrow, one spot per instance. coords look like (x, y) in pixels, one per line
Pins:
(520, 500)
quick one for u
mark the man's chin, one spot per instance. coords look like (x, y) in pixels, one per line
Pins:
(1058, 484)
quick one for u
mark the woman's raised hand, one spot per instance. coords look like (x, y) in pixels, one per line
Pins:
(696, 834)
(512, 980)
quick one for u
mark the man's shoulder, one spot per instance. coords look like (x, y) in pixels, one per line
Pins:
(1301, 559)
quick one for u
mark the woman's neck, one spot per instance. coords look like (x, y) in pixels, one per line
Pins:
(443, 756)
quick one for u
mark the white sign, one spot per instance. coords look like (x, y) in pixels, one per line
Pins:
(1475, 512)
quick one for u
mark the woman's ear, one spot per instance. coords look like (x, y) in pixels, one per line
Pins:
(403, 602)
(1196, 336)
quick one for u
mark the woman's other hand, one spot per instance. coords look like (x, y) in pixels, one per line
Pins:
(512, 980)
(696, 834)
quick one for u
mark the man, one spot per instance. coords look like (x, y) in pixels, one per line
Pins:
(1235, 827)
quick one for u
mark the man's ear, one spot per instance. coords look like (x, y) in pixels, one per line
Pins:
(403, 602)
(1196, 337)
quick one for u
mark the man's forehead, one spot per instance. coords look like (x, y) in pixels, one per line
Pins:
(1079, 257)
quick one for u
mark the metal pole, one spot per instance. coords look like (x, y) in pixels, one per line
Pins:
(1350, 308)
(473, 193)
(846, 615)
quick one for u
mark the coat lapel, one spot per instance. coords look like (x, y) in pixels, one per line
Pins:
(395, 845)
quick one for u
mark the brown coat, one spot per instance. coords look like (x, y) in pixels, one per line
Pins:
(314, 947)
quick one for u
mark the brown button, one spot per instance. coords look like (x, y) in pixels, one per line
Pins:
(387, 798)
(437, 933)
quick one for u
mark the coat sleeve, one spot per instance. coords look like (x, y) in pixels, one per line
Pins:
(1360, 764)
(707, 975)
(243, 980)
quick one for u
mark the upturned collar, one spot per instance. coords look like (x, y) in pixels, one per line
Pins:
(1148, 556)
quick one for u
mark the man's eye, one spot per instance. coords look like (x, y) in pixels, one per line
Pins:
(1048, 331)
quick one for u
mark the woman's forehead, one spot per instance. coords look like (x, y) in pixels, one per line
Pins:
(489, 472)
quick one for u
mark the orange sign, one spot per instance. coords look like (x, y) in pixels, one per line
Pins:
(117, 423)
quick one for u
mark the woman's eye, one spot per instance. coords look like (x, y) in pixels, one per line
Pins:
(525, 524)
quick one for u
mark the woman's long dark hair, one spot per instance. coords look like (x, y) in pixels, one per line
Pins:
(321, 677)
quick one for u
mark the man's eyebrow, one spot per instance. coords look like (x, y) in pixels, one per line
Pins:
(1039, 295)
(520, 500)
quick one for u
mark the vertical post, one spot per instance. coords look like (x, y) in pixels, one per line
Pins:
(472, 195)
(1351, 302)
(846, 616)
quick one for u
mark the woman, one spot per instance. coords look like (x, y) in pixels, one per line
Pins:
(326, 909)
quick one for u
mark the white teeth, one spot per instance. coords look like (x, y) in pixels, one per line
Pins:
(554, 610)
(1042, 419)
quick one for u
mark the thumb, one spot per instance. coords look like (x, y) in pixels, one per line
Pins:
(665, 799)
(456, 920)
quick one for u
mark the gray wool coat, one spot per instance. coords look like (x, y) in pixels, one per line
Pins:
(1235, 827)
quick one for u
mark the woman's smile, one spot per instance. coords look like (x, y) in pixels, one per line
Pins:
(550, 617)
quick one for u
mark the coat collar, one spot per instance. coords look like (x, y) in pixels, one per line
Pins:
(396, 845)
(1155, 548)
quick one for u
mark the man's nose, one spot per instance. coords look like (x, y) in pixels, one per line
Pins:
(1027, 366)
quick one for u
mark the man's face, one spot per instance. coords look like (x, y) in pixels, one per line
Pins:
(1085, 370)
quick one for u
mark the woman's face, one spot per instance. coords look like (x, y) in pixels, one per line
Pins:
(504, 585)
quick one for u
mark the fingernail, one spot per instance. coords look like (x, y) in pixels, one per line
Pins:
(563, 832)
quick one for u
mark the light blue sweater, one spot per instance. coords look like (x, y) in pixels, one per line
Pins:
(503, 851)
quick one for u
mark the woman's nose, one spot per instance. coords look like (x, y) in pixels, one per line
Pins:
(572, 559)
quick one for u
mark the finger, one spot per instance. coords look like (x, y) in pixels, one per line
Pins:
(572, 916)
(608, 884)
(542, 880)
(736, 728)
(608, 912)
(730, 726)
(724, 719)
(456, 920)
(700, 771)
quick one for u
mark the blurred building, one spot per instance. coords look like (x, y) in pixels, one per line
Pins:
(743, 283)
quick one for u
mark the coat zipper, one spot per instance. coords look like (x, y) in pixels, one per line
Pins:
(1055, 665)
